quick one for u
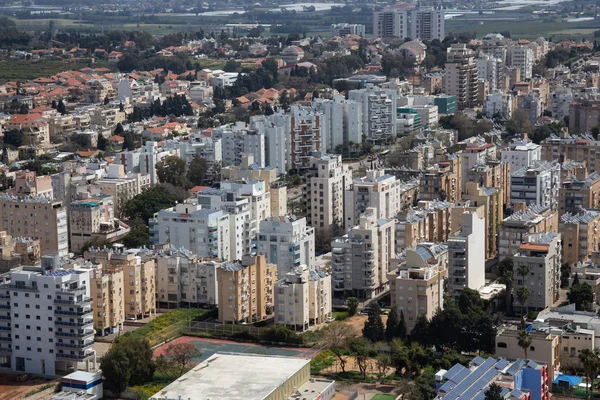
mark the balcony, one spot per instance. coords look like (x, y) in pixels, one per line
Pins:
(5, 317)
(5, 339)
(76, 323)
(74, 313)
(5, 306)
(84, 345)
(79, 334)
(75, 357)
(80, 303)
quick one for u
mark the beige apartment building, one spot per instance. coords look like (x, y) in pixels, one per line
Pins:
(571, 147)
(245, 290)
(579, 235)
(492, 174)
(303, 298)
(545, 347)
(139, 278)
(443, 181)
(524, 222)
(579, 191)
(92, 221)
(430, 221)
(28, 184)
(36, 217)
(18, 251)
(461, 78)
(121, 186)
(417, 286)
(108, 299)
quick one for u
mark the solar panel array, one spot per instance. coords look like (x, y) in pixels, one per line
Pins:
(60, 272)
(473, 382)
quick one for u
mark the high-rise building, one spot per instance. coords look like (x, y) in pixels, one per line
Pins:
(344, 29)
(287, 242)
(421, 23)
(391, 23)
(378, 190)
(36, 217)
(462, 78)
(537, 184)
(325, 193)
(417, 286)
(466, 254)
(245, 290)
(521, 154)
(46, 320)
(308, 133)
(579, 235)
(579, 191)
(361, 258)
(430, 221)
(343, 120)
(489, 69)
(378, 113)
(107, 289)
(303, 298)
(522, 58)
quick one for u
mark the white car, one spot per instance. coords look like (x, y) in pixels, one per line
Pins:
(329, 320)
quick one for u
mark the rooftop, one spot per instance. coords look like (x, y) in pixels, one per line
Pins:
(582, 217)
(234, 377)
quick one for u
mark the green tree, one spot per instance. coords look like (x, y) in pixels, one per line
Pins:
(102, 142)
(13, 137)
(60, 107)
(575, 279)
(522, 296)
(180, 355)
(352, 303)
(335, 338)
(138, 236)
(505, 270)
(493, 392)
(391, 326)
(420, 332)
(172, 169)
(128, 142)
(269, 110)
(116, 370)
(523, 270)
(139, 354)
(524, 341)
(402, 330)
(581, 295)
(590, 359)
(400, 357)
(361, 349)
(284, 100)
(119, 129)
(197, 170)
(149, 202)
(373, 328)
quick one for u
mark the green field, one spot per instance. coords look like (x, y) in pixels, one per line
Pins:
(12, 70)
(384, 397)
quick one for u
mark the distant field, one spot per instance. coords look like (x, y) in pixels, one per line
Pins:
(11, 70)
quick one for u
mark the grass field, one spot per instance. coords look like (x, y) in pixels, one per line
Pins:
(383, 397)
(11, 70)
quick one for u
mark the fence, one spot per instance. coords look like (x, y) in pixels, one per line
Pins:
(576, 392)
(196, 328)
(166, 335)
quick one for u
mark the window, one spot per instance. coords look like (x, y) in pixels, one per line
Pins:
(532, 348)
(502, 345)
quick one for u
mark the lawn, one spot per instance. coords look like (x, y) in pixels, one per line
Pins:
(383, 397)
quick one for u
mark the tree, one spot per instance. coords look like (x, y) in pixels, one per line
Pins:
(420, 332)
(493, 392)
(352, 305)
(523, 271)
(269, 110)
(119, 129)
(522, 296)
(116, 370)
(581, 295)
(197, 170)
(384, 360)
(591, 363)
(128, 142)
(505, 270)
(102, 142)
(373, 328)
(400, 357)
(335, 338)
(172, 169)
(13, 137)
(391, 327)
(138, 235)
(575, 279)
(60, 107)
(402, 331)
(149, 202)
(361, 349)
(139, 354)
(180, 355)
(284, 100)
(524, 341)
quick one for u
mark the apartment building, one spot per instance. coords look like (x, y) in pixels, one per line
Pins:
(30, 185)
(489, 69)
(567, 147)
(46, 322)
(236, 140)
(325, 193)
(277, 130)
(443, 181)
(33, 125)
(245, 290)
(498, 103)
(204, 232)
(121, 186)
(584, 114)
(474, 154)
(425, 23)
(361, 258)
(139, 276)
(466, 254)
(493, 174)
(182, 280)
(542, 254)
(303, 298)
(107, 290)
(417, 286)
(344, 29)
(378, 113)
(545, 348)
(515, 229)
(430, 221)
(579, 235)
(522, 58)
(36, 217)
(18, 251)
(378, 190)
(579, 191)
(307, 135)
(491, 200)
(343, 120)
(92, 221)
(391, 23)
(537, 184)
(462, 78)
(521, 154)
(287, 242)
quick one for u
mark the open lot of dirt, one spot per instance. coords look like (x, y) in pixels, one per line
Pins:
(11, 389)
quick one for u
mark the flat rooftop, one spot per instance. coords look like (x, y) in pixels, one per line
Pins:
(233, 376)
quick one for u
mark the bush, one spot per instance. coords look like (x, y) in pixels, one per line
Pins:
(281, 334)
(170, 318)
(244, 336)
(323, 360)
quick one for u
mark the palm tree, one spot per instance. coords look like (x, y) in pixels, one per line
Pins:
(524, 341)
(591, 363)
(522, 296)
(523, 270)
(505, 271)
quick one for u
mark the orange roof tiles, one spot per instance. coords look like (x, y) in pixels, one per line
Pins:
(534, 247)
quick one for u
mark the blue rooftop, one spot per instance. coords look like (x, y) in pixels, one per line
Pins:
(573, 380)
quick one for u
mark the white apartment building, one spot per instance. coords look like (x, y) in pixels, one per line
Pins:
(344, 29)
(461, 77)
(182, 280)
(277, 129)
(343, 119)
(46, 322)
(204, 232)
(149, 155)
(392, 23)
(288, 242)
(560, 100)
(361, 258)
(303, 298)
(488, 69)
(537, 184)
(325, 193)
(236, 140)
(498, 103)
(522, 58)
(208, 148)
(542, 254)
(421, 23)
(466, 254)
(417, 286)
(521, 154)
(377, 190)
(378, 112)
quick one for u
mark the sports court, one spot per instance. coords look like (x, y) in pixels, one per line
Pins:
(208, 347)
